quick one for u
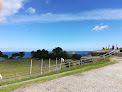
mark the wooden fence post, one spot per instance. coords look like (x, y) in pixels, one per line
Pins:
(56, 63)
(49, 64)
(31, 68)
(60, 64)
(15, 76)
(104, 57)
(92, 59)
(41, 66)
(69, 64)
(1, 80)
(81, 61)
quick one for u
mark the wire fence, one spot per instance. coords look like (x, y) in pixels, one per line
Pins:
(34, 70)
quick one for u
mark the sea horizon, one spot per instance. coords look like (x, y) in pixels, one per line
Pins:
(50, 51)
(28, 54)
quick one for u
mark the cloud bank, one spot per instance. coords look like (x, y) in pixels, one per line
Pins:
(101, 14)
(98, 28)
(9, 8)
(31, 10)
(0, 5)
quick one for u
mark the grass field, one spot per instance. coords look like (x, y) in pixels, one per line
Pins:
(8, 68)
(76, 69)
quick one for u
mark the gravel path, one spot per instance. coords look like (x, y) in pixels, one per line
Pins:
(106, 79)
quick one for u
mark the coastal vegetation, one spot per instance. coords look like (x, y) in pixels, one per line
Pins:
(15, 55)
(57, 52)
(73, 70)
(17, 65)
(19, 55)
(4, 56)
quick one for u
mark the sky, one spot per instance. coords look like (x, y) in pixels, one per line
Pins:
(74, 25)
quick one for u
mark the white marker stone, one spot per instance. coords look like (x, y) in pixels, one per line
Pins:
(0, 76)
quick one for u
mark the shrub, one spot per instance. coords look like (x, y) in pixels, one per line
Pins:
(68, 61)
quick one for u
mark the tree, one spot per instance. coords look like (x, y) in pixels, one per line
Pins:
(76, 56)
(64, 55)
(21, 54)
(44, 54)
(40, 54)
(36, 54)
(33, 54)
(57, 51)
(52, 56)
(15, 55)
(5, 56)
(1, 53)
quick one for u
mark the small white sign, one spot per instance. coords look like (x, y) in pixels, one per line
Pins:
(0, 76)
(62, 59)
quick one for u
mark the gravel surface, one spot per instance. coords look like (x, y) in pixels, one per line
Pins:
(106, 79)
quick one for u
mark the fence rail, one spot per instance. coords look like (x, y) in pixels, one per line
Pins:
(50, 67)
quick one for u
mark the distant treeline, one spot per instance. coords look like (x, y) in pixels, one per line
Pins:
(15, 55)
(57, 52)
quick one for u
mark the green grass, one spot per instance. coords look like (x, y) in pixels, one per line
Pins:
(13, 66)
(16, 63)
(76, 69)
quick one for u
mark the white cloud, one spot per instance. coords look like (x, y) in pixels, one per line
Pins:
(0, 5)
(31, 10)
(9, 8)
(107, 14)
(102, 14)
(98, 28)
(47, 14)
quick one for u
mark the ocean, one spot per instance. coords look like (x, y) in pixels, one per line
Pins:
(28, 54)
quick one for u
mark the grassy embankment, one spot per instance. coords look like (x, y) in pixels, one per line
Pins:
(76, 69)
(22, 67)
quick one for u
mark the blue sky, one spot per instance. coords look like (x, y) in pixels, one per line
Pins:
(71, 24)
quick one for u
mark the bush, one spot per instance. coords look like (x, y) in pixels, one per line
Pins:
(68, 61)
(76, 56)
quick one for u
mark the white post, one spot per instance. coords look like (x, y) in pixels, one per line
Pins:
(56, 63)
(60, 64)
(31, 68)
(1, 78)
(103, 56)
(49, 64)
(41, 65)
